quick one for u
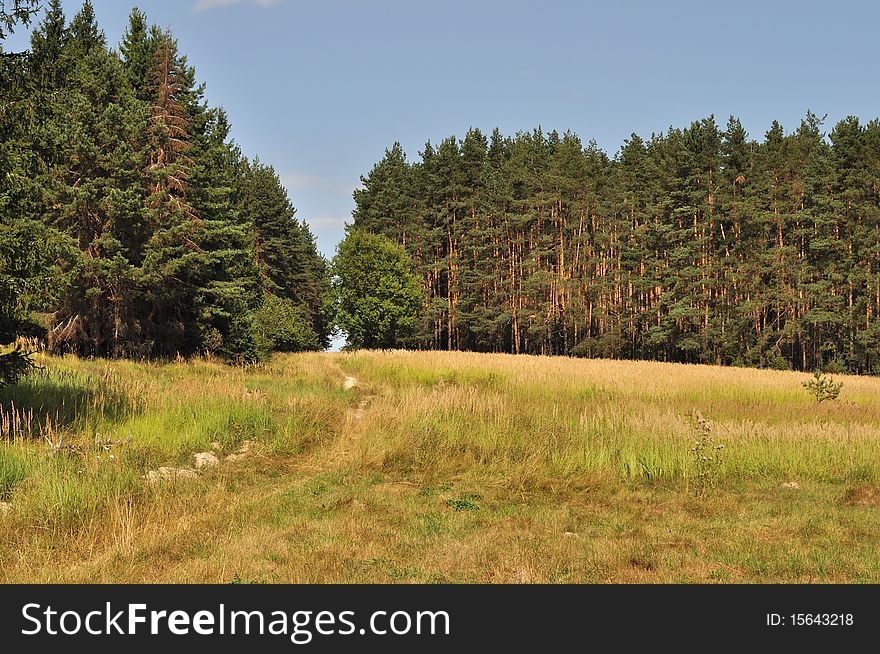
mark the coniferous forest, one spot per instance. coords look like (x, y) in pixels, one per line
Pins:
(130, 224)
(697, 245)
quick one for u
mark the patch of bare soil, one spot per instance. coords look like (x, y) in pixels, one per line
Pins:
(865, 495)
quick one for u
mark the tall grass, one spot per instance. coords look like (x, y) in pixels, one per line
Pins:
(559, 418)
(54, 401)
(17, 463)
(434, 467)
(77, 439)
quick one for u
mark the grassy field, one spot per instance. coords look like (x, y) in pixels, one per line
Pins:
(436, 467)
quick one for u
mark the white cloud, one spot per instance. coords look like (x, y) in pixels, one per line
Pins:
(205, 5)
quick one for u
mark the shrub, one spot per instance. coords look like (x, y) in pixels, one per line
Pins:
(835, 366)
(285, 326)
(14, 365)
(778, 362)
(584, 349)
(822, 387)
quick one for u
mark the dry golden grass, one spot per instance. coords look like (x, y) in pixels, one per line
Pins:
(443, 467)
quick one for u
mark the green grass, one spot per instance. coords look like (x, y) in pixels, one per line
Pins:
(435, 467)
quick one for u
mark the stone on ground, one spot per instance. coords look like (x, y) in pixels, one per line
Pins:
(166, 473)
(243, 450)
(206, 459)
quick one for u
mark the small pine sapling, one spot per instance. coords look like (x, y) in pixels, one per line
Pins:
(822, 387)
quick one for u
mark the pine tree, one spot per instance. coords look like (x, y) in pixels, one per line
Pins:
(83, 37)
(133, 205)
(284, 250)
(697, 245)
(16, 11)
(48, 43)
(384, 204)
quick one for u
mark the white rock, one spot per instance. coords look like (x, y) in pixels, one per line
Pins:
(184, 473)
(206, 460)
(169, 474)
(242, 451)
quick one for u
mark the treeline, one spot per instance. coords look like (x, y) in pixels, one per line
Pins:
(697, 245)
(130, 224)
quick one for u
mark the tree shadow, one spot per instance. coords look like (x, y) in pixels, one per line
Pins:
(50, 403)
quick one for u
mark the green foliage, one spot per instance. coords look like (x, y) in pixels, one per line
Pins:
(285, 253)
(14, 365)
(284, 326)
(16, 11)
(129, 221)
(32, 275)
(778, 362)
(822, 387)
(137, 50)
(698, 245)
(377, 295)
(464, 503)
(238, 580)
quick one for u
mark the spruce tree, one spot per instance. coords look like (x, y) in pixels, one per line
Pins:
(174, 260)
(138, 49)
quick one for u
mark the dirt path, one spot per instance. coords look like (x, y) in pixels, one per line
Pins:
(335, 455)
(344, 449)
(349, 383)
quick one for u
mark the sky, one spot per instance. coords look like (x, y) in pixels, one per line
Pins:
(319, 88)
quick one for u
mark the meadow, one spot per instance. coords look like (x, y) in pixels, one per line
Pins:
(435, 467)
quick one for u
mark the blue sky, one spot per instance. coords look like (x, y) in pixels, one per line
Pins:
(320, 88)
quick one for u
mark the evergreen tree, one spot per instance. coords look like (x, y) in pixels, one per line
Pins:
(284, 250)
(93, 195)
(174, 260)
(138, 50)
(139, 215)
(229, 290)
(696, 245)
(16, 11)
